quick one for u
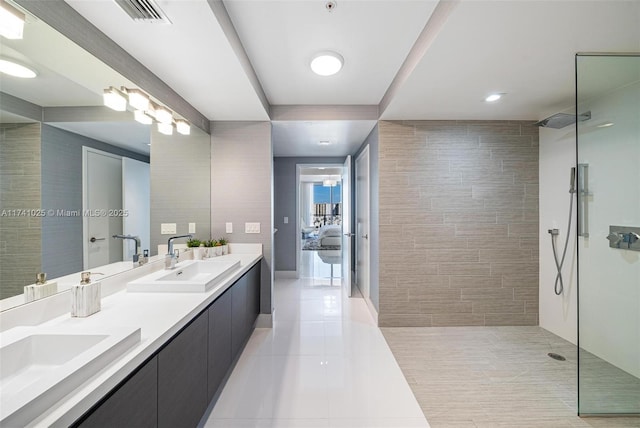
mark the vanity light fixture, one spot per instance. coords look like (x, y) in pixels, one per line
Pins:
(16, 70)
(114, 99)
(142, 117)
(163, 115)
(326, 63)
(137, 99)
(183, 127)
(165, 128)
(493, 97)
(11, 21)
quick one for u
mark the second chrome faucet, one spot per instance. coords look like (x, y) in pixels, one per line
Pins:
(171, 258)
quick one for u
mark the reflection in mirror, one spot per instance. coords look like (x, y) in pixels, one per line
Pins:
(73, 173)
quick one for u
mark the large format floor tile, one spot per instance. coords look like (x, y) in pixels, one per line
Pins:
(323, 364)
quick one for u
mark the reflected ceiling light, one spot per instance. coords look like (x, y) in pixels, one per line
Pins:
(326, 63)
(14, 69)
(493, 97)
(137, 99)
(183, 127)
(114, 99)
(11, 21)
(324, 142)
(163, 115)
(605, 125)
(142, 117)
(329, 183)
(165, 128)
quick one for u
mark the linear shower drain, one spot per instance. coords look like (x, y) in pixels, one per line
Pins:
(556, 356)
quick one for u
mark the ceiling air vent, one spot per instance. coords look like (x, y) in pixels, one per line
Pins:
(144, 11)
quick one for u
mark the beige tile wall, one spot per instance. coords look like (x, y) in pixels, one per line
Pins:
(20, 189)
(458, 223)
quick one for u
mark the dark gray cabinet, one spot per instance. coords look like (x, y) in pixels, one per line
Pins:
(182, 376)
(134, 404)
(219, 355)
(175, 387)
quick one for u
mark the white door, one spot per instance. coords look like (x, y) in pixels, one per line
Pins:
(346, 226)
(102, 207)
(362, 222)
(136, 204)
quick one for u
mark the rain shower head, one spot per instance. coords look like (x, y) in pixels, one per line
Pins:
(560, 120)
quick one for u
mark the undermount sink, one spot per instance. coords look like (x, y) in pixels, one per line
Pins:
(190, 276)
(42, 365)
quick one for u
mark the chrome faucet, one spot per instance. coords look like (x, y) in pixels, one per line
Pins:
(171, 258)
(137, 259)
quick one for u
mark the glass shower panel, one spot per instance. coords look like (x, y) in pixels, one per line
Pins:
(608, 157)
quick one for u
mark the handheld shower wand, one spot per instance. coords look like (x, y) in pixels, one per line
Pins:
(559, 284)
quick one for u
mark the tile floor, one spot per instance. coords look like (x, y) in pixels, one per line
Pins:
(324, 364)
(486, 377)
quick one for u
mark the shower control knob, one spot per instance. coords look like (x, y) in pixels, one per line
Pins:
(632, 237)
(614, 239)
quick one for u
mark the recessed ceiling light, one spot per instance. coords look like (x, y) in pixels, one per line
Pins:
(605, 125)
(326, 63)
(493, 97)
(14, 69)
(324, 142)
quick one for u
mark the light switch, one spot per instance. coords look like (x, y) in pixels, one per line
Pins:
(192, 228)
(252, 228)
(286, 220)
(229, 227)
(167, 228)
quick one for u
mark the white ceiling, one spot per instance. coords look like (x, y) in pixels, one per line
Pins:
(525, 48)
(281, 38)
(302, 138)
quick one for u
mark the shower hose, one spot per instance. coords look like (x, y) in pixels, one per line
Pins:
(559, 285)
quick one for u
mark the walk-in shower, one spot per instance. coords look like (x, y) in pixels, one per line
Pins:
(608, 264)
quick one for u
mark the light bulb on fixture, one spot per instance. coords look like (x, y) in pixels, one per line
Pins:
(183, 127)
(142, 117)
(138, 99)
(493, 97)
(11, 21)
(163, 115)
(114, 99)
(165, 128)
(327, 63)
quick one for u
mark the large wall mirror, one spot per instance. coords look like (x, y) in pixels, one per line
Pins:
(65, 159)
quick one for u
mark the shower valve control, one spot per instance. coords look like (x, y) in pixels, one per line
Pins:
(624, 238)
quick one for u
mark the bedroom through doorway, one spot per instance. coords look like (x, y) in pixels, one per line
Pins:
(321, 223)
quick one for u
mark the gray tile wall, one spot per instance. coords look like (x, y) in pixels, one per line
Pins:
(20, 244)
(180, 176)
(458, 223)
(242, 189)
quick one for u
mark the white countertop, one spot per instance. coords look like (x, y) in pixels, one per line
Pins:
(159, 315)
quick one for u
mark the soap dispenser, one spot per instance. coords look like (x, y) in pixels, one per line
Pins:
(86, 296)
(40, 289)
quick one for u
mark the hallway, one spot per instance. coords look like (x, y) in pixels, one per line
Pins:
(324, 364)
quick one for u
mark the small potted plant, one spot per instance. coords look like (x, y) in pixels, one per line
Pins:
(217, 246)
(209, 248)
(194, 244)
(225, 245)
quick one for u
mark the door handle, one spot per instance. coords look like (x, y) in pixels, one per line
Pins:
(94, 239)
(365, 236)
(350, 235)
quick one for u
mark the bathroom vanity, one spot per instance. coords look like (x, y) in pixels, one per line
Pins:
(189, 342)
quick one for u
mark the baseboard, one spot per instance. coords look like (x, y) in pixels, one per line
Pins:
(264, 321)
(285, 274)
(372, 309)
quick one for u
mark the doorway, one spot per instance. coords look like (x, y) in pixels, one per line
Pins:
(323, 217)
